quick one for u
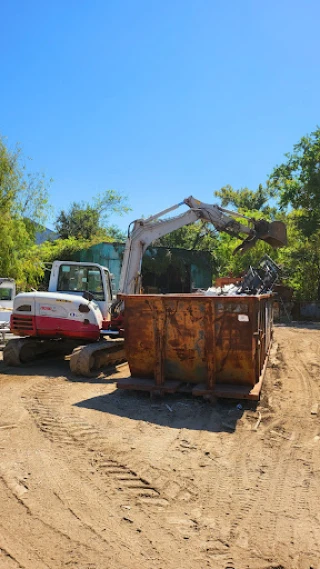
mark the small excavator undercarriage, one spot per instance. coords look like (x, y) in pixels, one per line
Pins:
(85, 360)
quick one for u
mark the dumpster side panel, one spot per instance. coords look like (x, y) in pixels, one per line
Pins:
(140, 339)
(184, 339)
(235, 326)
(198, 339)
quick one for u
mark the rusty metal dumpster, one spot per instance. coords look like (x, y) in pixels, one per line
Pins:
(213, 346)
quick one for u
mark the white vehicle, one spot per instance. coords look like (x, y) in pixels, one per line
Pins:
(79, 305)
(7, 294)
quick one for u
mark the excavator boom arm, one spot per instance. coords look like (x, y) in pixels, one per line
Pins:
(144, 231)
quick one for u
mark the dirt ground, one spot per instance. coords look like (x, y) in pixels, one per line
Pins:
(96, 478)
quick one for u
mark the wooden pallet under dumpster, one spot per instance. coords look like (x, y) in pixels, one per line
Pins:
(211, 346)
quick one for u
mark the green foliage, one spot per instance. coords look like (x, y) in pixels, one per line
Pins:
(115, 234)
(301, 260)
(230, 264)
(17, 258)
(65, 249)
(245, 199)
(23, 206)
(87, 221)
(297, 181)
(60, 249)
(80, 222)
(200, 236)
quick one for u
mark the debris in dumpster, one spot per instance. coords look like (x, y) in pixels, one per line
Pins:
(226, 290)
(256, 281)
(262, 279)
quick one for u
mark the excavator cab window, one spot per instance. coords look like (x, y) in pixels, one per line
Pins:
(79, 279)
(109, 285)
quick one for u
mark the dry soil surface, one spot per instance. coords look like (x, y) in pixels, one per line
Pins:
(96, 478)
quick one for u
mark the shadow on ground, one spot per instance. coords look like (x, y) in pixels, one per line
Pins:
(58, 366)
(299, 324)
(178, 411)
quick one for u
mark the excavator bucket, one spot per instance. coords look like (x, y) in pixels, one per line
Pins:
(274, 233)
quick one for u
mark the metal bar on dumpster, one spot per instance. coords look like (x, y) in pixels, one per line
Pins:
(256, 341)
(159, 318)
(210, 343)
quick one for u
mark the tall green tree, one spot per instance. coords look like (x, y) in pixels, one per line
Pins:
(200, 236)
(297, 182)
(245, 199)
(23, 207)
(301, 260)
(85, 220)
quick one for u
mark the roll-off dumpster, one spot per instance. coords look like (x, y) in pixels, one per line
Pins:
(215, 345)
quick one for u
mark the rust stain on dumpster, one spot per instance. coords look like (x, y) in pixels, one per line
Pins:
(217, 345)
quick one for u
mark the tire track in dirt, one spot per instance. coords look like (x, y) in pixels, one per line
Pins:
(236, 507)
(243, 473)
(59, 517)
(178, 484)
(254, 495)
(47, 407)
(254, 476)
(223, 481)
(228, 482)
(7, 561)
(276, 481)
(297, 353)
(59, 544)
(44, 405)
(289, 499)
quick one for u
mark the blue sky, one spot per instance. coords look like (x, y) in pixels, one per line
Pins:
(157, 99)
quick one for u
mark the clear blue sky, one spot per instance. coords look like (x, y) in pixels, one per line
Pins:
(157, 99)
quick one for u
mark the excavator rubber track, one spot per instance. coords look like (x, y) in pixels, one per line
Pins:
(88, 360)
(19, 351)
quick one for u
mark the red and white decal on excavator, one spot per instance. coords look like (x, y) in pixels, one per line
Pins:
(46, 326)
(47, 308)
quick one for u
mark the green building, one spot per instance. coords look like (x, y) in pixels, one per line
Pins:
(163, 270)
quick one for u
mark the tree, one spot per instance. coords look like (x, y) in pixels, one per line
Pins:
(81, 222)
(297, 181)
(200, 235)
(301, 260)
(87, 221)
(245, 199)
(23, 206)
